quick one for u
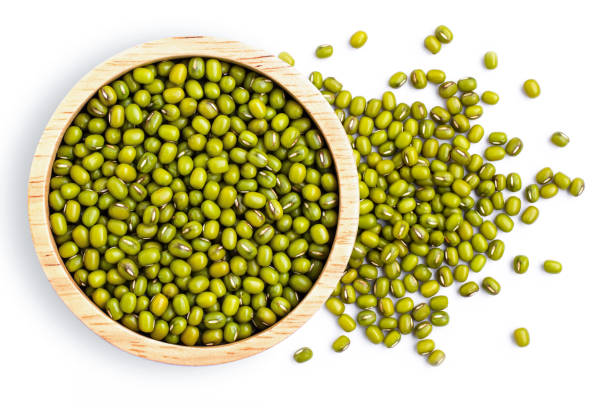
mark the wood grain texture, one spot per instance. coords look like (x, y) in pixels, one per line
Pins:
(296, 85)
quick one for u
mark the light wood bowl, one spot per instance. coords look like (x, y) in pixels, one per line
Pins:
(263, 62)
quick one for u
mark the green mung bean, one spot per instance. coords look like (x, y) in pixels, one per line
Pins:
(436, 76)
(324, 51)
(302, 355)
(436, 357)
(432, 43)
(520, 264)
(358, 39)
(490, 60)
(514, 146)
(418, 79)
(495, 153)
(559, 139)
(551, 266)
(342, 342)
(544, 176)
(548, 190)
(521, 337)
(532, 193)
(491, 285)
(530, 215)
(576, 187)
(489, 97)
(398, 79)
(439, 318)
(468, 289)
(531, 88)
(561, 180)
(424, 347)
(497, 138)
(444, 34)
(285, 56)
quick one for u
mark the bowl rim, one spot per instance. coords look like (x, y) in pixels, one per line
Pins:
(172, 48)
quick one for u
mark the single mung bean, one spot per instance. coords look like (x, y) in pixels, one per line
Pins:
(532, 193)
(285, 56)
(520, 264)
(324, 51)
(521, 337)
(424, 347)
(432, 43)
(544, 176)
(514, 146)
(436, 76)
(531, 88)
(302, 355)
(418, 79)
(549, 190)
(398, 79)
(491, 285)
(490, 60)
(436, 357)
(444, 34)
(551, 266)
(489, 97)
(358, 39)
(576, 187)
(559, 139)
(341, 343)
(530, 215)
(468, 289)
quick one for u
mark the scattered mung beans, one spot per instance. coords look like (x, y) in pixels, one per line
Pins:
(420, 227)
(551, 266)
(302, 355)
(521, 337)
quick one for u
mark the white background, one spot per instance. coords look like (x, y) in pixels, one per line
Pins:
(49, 357)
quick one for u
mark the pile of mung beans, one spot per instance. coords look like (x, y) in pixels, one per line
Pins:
(431, 213)
(193, 201)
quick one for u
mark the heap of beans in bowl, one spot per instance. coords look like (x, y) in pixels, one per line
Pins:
(194, 201)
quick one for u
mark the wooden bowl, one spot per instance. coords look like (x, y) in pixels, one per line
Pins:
(263, 62)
